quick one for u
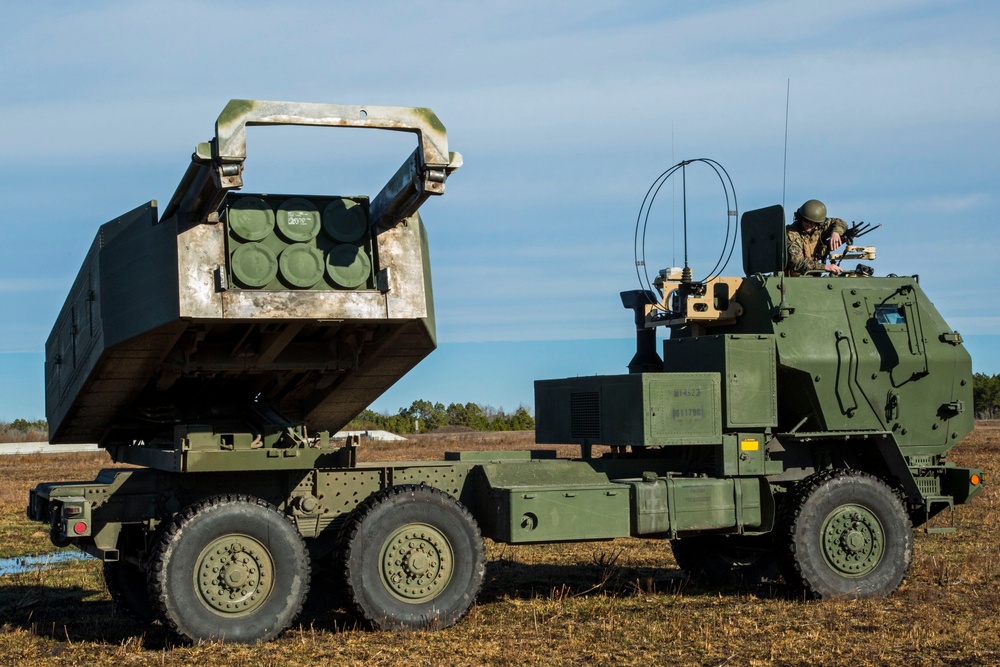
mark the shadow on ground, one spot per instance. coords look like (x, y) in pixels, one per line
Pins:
(79, 613)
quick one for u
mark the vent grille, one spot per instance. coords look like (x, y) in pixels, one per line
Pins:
(585, 415)
(929, 486)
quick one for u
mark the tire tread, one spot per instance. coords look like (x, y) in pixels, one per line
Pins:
(171, 538)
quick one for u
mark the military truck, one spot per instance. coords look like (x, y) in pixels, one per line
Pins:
(800, 422)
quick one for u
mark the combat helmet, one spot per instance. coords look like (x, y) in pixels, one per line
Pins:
(813, 210)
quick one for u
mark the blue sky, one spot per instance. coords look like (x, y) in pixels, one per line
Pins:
(565, 114)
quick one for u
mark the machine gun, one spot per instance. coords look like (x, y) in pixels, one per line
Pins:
(857, 229)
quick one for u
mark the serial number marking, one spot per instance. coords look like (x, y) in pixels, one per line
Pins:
(680, 413)
(299, 218)
(696, 391)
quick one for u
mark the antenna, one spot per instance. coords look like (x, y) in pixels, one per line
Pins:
(673, 204)
(783, 309)
(645, 211)
(784, 166)
(687, 269)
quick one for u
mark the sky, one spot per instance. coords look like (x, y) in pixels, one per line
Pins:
(565, 113)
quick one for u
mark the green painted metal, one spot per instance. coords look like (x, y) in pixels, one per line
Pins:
(292, 253)
(297, 220)
(416, 563)
(668, 506)
(747, 367)
(250, 218)
(254, 265)
(301, 265)
(563, 512)
(853, 540)
(641, 409)
(234, 575)
(348, 265)
(345, 220)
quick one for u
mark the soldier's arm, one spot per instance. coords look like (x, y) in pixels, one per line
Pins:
(836, 228)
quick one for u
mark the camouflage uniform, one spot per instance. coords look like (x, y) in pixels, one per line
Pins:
(806, 251)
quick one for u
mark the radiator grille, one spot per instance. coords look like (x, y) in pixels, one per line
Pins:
(585, 415)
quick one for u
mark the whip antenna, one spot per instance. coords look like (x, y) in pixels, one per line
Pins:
(783, 310)
(784, 166)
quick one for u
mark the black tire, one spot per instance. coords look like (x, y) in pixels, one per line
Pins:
(127, 585)
(845, 534)
(229, 568)
(413, 558)
(727, 559)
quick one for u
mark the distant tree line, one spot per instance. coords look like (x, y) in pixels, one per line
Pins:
(22, 430)
(426, 416)
(986, 395)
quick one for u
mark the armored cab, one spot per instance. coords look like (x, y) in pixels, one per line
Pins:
(816, 369)
(242, 313)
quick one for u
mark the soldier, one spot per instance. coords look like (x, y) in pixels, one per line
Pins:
(806, 250)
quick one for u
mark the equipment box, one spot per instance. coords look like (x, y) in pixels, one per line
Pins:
(746, 364)
(639, 409)
(555, 514)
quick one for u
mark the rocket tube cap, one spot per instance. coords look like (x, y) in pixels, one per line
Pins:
(254, 265)
(301, 265)
(251, 218)
(298, 220)
(345, 220)
(348, 265)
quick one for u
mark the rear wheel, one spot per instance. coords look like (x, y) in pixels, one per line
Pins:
(846, 534)
(229, 568)
(727, 559)
(413, 558)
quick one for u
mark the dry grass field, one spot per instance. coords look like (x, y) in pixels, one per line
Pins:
(622, 602)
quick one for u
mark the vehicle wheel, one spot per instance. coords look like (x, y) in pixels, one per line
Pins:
(727, 559)
(845, 534)
(413, 558)
(126, 580)
(229, 568)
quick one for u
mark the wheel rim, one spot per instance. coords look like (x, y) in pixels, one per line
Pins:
(853, 540)
(234, 576)
(417, 562)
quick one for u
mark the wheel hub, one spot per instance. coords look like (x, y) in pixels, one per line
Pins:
(853, 540)
(234, 575)
(416, 563)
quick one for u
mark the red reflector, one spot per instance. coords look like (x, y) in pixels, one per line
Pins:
(80, 527)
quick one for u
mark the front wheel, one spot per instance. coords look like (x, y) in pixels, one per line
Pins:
(846, 534)
(413, 558)
(229, 568)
